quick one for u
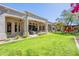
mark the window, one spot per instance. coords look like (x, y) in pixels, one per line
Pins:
(15, 27)
(30, 27)
(8, 27)
(1, 12)
(43, 27)
(39, 27)
(19, 27)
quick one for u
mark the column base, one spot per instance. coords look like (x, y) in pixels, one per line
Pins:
(26, 34)
(3, 36)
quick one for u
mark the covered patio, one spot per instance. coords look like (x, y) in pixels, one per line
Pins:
(14, 26)
(36, 26)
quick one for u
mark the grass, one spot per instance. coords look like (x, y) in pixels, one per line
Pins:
(51, 44)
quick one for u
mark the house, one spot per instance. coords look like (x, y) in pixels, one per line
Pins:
(14, 22)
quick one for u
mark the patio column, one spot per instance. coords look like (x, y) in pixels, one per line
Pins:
(26, 27)
(50, 27)
(41, 28)
(20, 26)
(13, 28)
(46, 27)
(38, 27)
(17, 27)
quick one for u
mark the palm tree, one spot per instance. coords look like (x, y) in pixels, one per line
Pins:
(68, 17)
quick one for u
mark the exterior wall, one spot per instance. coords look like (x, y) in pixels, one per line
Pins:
(51, 28)
(2, 27)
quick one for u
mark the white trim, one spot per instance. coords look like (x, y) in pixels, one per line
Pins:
(76, 44)
(39, 20)
(5, 14)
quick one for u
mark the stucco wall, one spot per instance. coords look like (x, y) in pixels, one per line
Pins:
(2, 27)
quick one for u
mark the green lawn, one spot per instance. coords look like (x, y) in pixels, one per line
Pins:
(45, 45)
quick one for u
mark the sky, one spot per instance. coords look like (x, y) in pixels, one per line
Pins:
(50, 11)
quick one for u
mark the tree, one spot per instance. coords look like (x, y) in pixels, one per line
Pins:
(59, 19)
(68, 17)
(75, 11)
(75, 7)
(59, 26)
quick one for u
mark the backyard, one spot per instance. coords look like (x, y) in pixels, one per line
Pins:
(51, 44)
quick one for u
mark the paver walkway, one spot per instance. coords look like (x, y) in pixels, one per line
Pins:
(14, 40)
(33, 35)
(8, 41)
(77, 42)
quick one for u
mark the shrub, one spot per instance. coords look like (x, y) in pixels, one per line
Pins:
(17, 37)
(8, 33)
(29, 52)
(24, 36)
(7, 39)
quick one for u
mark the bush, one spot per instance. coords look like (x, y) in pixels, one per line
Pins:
(24, 36)
(8, 33)
(7, 39)
(29, 52)
(17, 37)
